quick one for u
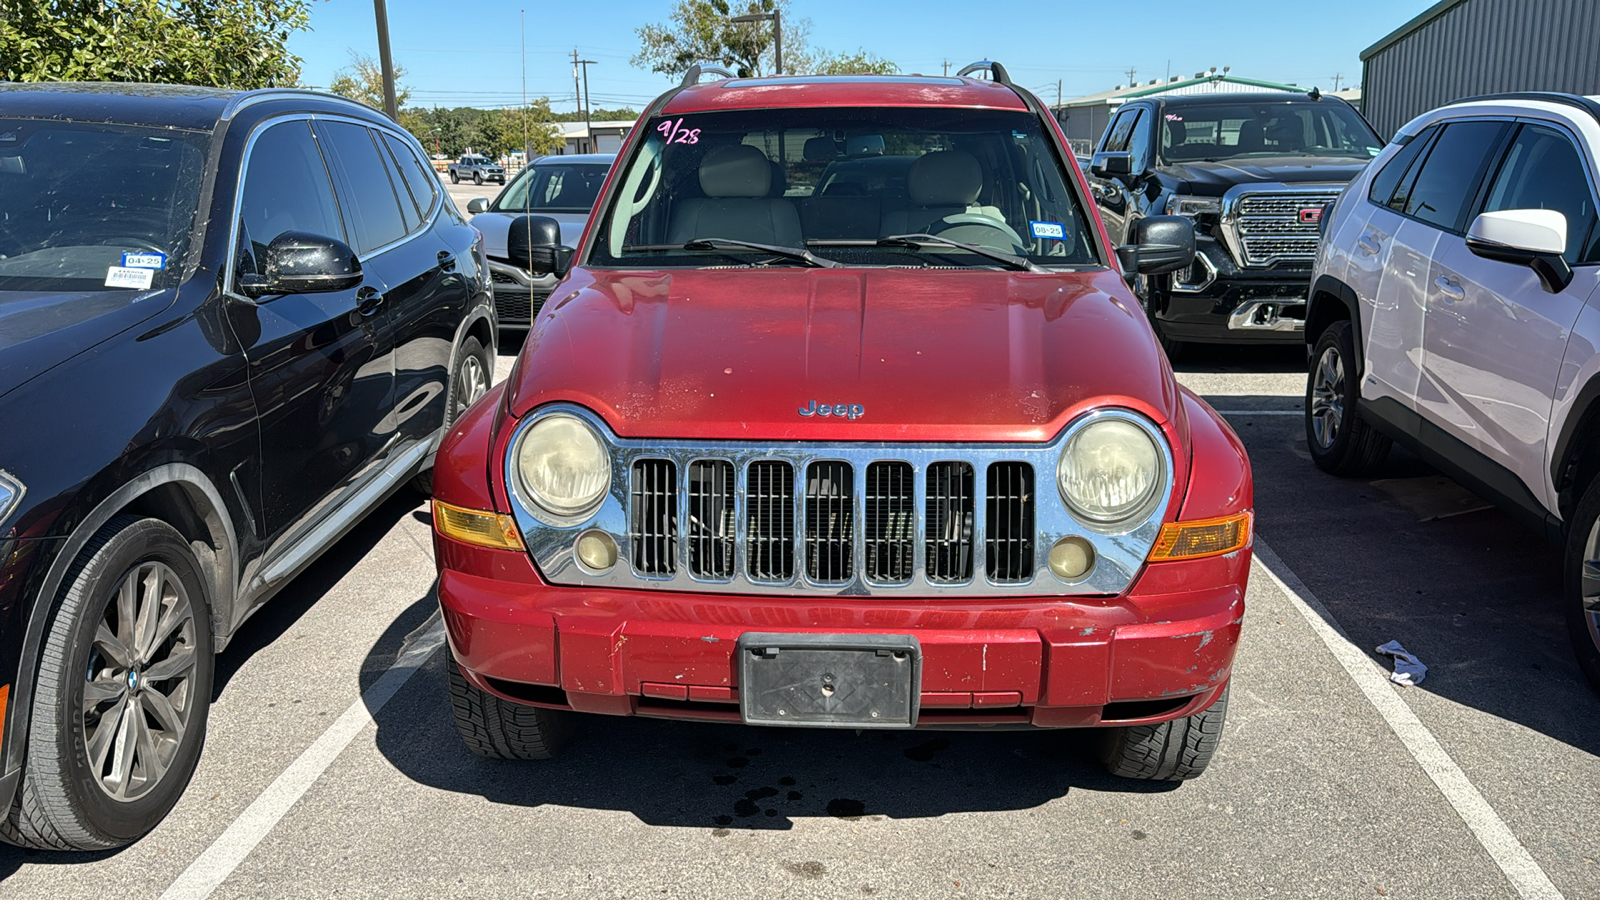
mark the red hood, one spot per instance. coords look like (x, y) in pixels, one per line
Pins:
(955, 356)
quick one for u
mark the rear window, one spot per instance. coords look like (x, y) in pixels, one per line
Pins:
(1234, 130)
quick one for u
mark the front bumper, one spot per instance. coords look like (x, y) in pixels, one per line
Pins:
(1163, 649)
(518, 297)
(1216, 301)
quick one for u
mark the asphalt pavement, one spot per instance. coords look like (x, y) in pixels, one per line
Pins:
(332, 767)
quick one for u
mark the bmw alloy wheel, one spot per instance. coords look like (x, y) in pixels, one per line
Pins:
(1591, 583)
(474, 383)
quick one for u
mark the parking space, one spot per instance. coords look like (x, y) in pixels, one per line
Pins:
(1318, 790)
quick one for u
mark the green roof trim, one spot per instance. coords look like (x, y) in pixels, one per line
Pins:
(1152, 89)
(1399, 34)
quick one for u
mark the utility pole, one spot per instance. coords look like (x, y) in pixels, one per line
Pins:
(587, 124)
(1131, 72)
(1337, 77)
(385, 61)
(577, 92)
(777, 34)
(947, 68)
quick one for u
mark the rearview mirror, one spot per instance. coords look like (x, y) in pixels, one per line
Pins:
(1111, 164)
(1161, 244)
(297, 262)
(477, 205)
(534, 244)
(1535, 238)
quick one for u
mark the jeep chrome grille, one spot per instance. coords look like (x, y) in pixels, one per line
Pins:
(848, 519)
(1264, 226)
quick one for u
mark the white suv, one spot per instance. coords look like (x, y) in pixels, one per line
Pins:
(1455, 308)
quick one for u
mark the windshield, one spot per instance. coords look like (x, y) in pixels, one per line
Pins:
(838, 181)
(1234, 130)
(553, 187)
(95, 206)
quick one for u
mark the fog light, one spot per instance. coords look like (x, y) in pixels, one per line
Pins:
(597, 551)
(1071, 558)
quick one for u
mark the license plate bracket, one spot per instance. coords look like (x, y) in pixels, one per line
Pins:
(830, 680)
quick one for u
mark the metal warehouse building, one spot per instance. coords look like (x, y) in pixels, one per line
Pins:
(1461, 48)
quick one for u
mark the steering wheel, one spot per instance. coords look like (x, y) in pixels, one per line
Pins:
(983, 230)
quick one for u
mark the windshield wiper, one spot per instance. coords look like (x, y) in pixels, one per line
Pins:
(716, 243)
(917, 240)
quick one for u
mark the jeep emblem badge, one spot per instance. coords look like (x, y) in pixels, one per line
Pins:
(851, 411)
(1311, 215)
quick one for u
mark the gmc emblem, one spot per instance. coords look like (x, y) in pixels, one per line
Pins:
(1311, 215)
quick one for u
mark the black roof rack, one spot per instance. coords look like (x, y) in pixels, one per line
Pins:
(692, 77)
(1573, 100)
(997, 72)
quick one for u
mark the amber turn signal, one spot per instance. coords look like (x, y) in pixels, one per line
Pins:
(471, 526)
(1204, 537)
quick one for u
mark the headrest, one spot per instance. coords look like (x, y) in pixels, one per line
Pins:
(945, 178)
(780, 181)
(1177, 132)
(819, 148)
(737, 171)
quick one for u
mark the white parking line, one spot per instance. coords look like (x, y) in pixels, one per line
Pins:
(1519, 866)
(225, 854)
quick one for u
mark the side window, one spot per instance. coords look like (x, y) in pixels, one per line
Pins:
(1139, 143)
(370, 207)
(1542, 170)
(419, 177)
(1120, 130)
(286, 188)
(1384, 184)
(1450, 173)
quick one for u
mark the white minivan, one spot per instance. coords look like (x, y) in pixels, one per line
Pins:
(1455, 308)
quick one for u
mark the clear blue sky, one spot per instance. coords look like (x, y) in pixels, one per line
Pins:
(1086, 44)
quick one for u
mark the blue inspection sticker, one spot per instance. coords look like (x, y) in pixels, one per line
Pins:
(1052, 230)
(148, 260)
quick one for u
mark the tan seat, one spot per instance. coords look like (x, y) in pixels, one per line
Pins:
(736, 182)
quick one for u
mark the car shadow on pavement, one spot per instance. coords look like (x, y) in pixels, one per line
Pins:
(1408, 554)
(730, 776)
(1232, 358)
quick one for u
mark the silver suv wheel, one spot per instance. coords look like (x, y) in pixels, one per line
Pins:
(1327, 397)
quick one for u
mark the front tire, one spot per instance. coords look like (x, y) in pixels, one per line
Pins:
(455, 177)
(123, 693)
(1581, 590)
(1341, 442)
(477, 178)
(496, 729)
(1169, 751)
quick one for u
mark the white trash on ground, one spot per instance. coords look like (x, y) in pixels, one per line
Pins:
(1408, 670)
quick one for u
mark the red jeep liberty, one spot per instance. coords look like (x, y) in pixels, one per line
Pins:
(845, 416)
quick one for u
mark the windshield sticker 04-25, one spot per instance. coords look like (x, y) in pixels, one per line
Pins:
(144, 260)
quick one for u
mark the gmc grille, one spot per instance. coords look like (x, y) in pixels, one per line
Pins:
(1269, 230)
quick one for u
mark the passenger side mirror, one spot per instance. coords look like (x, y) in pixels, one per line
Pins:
(297, 262)
(534, 244)
(1161, 244)
(477, 205)
(1111, 164)
(1535, 238)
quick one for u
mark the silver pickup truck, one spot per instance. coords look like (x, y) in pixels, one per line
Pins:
(477, 168)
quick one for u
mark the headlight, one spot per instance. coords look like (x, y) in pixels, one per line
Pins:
(563, 466)
(10, 494)
(1192, 207)
(1111, 471)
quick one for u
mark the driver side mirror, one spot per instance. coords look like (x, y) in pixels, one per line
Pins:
(297, 262)
(477, 205)
(1161, 244)
(534, 244)
(1111, 164)
(1535, 238)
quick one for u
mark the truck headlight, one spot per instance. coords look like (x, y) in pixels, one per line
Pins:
(563, 466)
(10, 494)
(1193, 207)
(1111, 472)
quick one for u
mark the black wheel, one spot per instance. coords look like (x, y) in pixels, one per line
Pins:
(455, 177)
(1581, 594)
(477, 178)
(1341, 442)
(496, 729)
(1171, 751)
(1174, 349)
(1145, 288)
(470, 380)
(124, 688)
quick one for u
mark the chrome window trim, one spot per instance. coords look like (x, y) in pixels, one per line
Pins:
(427, 222)
(11, 493)
(1120, 551)
(1234, 197)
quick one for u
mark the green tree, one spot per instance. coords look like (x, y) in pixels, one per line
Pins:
(362, 81)
(236, 44)
(858, 63)
(701, 31)
(626, 113)
(543, 137)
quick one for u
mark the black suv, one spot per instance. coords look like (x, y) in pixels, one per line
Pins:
(230, 325)
(1253, 171)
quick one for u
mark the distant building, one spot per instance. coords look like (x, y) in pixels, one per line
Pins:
(1085, 118)
(1463, 48)
(606, 137)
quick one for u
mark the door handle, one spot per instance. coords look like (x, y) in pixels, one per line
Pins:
(447, 260)
(368, 301)
(1451, 291)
